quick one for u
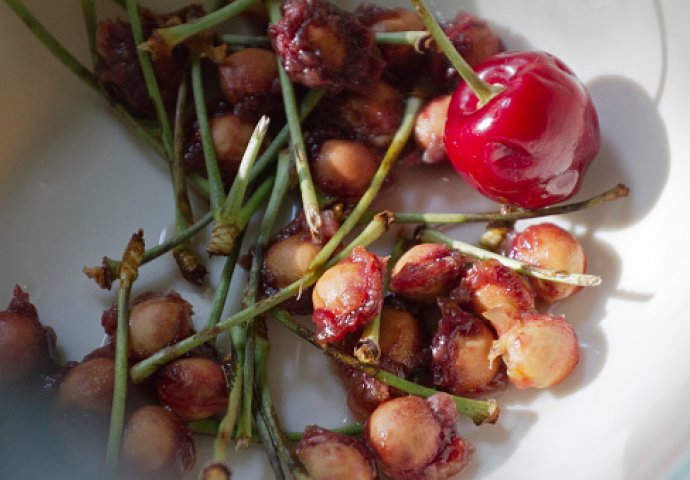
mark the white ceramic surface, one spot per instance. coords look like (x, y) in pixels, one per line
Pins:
(74, 184)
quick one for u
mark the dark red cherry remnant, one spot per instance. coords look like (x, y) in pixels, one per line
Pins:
(530, 144)
(348, 295)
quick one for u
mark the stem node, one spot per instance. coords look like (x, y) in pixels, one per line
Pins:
(222, 239)
(191, 268)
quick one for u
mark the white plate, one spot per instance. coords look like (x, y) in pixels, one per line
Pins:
(74, 185)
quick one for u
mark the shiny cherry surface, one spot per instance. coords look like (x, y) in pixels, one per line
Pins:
(531, 144)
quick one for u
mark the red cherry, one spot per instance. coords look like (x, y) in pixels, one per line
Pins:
(530, 144)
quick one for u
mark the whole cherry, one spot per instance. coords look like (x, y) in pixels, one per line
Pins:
(522, 129)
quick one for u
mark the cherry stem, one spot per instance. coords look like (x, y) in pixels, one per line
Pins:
(399, 141)
(191, 268)
(253, 203)
(310, 202)
(269, 446)
(131, 259)
(311, 99)
(484, 91)
(480, 411)
(411, 37)
(52, 44)
(267, 408)
(559, 276)
(227, 227)
(248, 210)
(619, 191)
(171, 36)
(145, 368)
(351, 430)
(212, 5)
(184, 210)
(226, 426)
(251, 206)
(233, 202)
(88, 10)
(221, 294)
(189, 265)
(217, 190)
(210, 427)
(150, 78)
(244, 335)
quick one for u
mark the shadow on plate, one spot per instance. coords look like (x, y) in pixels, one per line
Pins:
(503, 438)
(634, 151)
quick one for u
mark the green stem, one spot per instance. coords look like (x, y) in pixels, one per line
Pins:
(51, 43)
(234, 200)
(480, 411)
(217, 190)
(200, 184)
(155, 252)
(253, 203)
(246, 333)
(244, 427)
(374, 229)
(256, 350)
(221, 294)
(310, 202)
(88, 9)
(150, 78)
(399, 140)
(280, 188)
(226, 229)
(412, 37)
(212, 5)
(351, 430)
(243, 379)
(619, 191)
(481, 89)
(296, 469)
(140, 129)
(183, 210)
(131, 260)
(117, 413)
(210, 427)
(171, 36)
(227, 425)
(190, 267)
(145, 368)
(270, 447)
(559, 276)
(248, 210)
(311, 99)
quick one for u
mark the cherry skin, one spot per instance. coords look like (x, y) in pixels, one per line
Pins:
(530, 144)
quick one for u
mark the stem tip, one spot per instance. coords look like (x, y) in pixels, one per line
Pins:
(215, 471)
